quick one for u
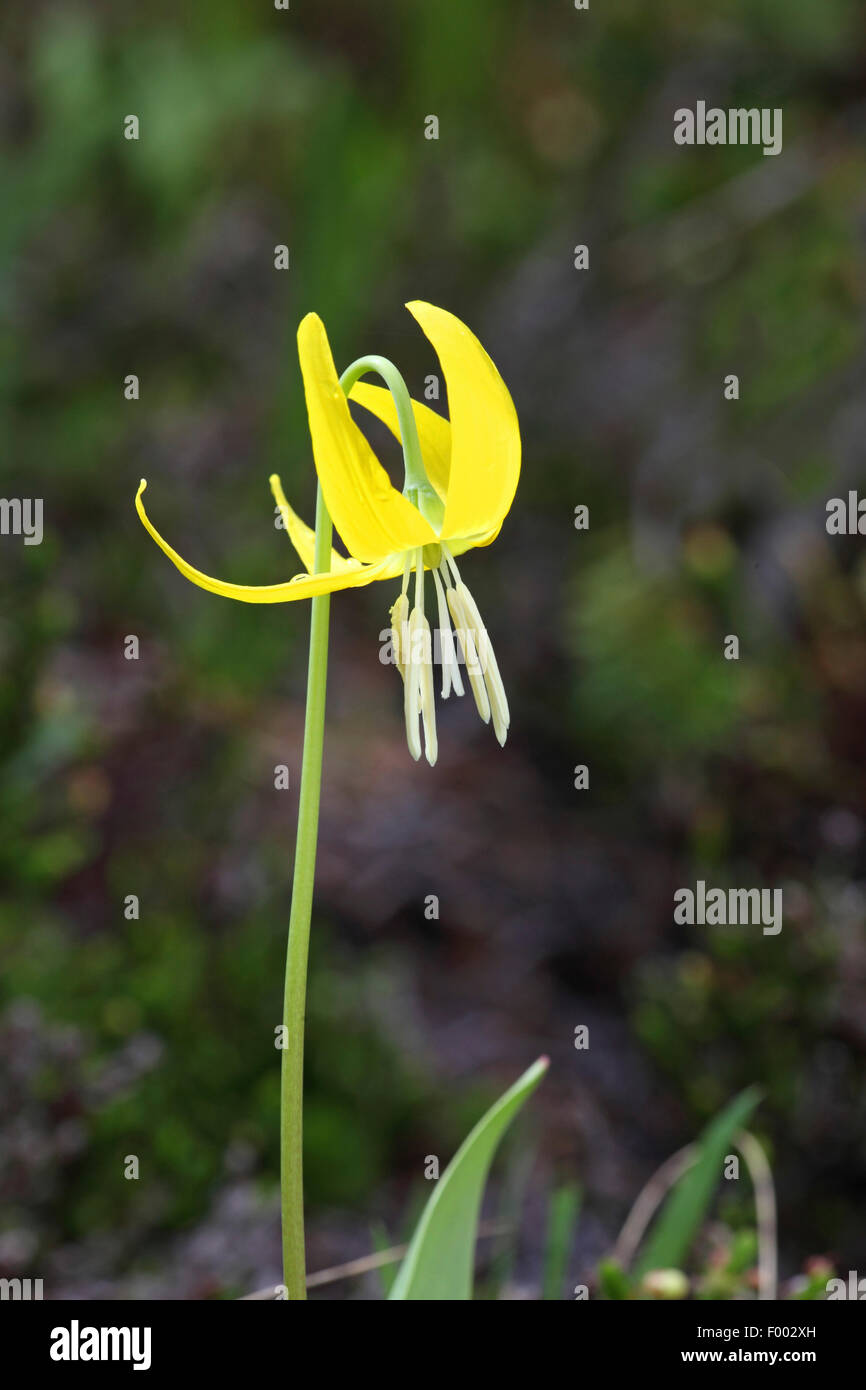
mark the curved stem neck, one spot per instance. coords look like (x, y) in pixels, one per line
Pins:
(416, 485)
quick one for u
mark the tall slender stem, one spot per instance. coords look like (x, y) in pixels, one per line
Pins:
(295, 994)
(294, 1002)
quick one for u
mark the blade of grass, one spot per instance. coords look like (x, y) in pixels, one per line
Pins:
(613, 1281)
(381, 1243)
(562, 1213)
(680, 1218)
(440, 1259)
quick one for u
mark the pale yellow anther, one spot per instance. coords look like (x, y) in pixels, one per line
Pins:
(425, 683)
(412, 686)
(492, 679)
(400, 632)
(470, 653)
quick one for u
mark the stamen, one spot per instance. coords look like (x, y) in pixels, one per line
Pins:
(400, 632)
(418, 696)
(419, 580)
(451, 561)
(428, 700)
(412, 690)
(451, 678)
(407, 570)
(413, 649)
(490, 668)
(470, 654)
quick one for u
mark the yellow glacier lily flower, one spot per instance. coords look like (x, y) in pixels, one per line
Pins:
(461, 476)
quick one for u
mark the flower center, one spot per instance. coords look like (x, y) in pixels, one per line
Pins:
(416, 649)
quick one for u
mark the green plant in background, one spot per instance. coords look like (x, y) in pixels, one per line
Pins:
(561, 1221)
(666, 1250)
(673, 1208)
(680, 1220)
(460, 480)
(439, 1262)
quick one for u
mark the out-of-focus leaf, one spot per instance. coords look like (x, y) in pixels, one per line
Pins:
(438, 1264)
(381, 1243)
(686, 1206)
(815, 1285)
(562, 1214)
(613, 1280)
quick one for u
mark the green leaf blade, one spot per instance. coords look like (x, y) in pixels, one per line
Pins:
(562, 1214)
(438, 1265)
(681, 1216)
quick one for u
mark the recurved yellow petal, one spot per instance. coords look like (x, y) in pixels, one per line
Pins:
(461, 544)
(301, 586)
(485, 436)
(434, 432)
(303, 537)
(373, 519)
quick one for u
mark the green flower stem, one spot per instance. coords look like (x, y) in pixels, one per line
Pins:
(294, 1003)
(418, 487)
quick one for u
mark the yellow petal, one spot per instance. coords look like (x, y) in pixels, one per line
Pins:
(303, 537)
(434, 432)
(302, 586)
(373, 518)
(464, 543)
(485, 436)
